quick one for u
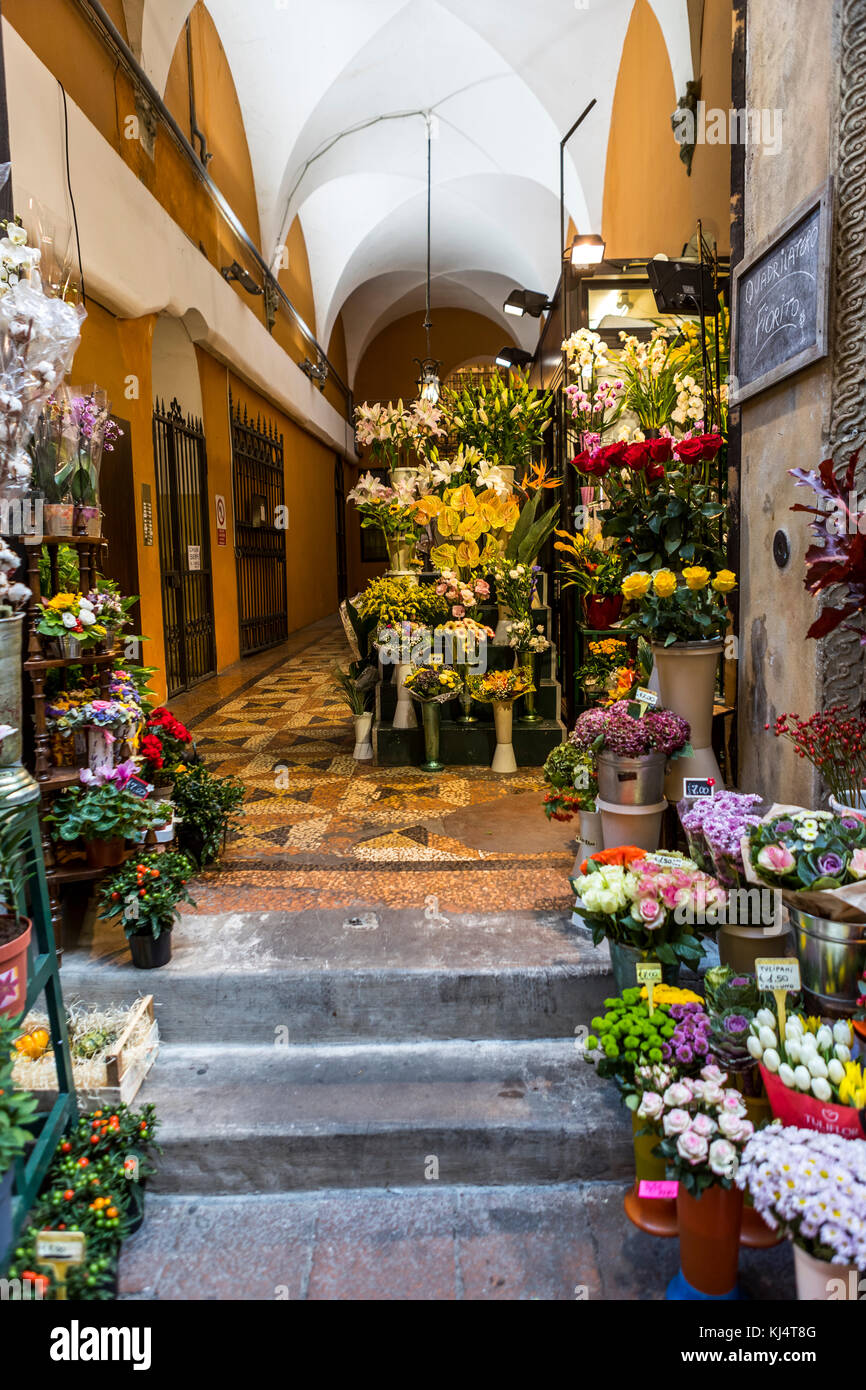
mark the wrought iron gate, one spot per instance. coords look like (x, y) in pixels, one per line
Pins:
(260, 531)
(340, 524)
(184, 547)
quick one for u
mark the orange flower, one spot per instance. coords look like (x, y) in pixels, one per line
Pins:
(622, 856)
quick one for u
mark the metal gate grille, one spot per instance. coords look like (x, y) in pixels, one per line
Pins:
(260, 531)
(184, 547)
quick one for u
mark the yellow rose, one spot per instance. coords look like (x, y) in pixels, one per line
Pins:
(696, 577)
(725, 581)
(636, 586)
(665, 583)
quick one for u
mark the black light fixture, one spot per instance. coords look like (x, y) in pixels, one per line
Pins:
(512, 357)
(428, 381)
(682, 287)
(586, 251)
(235, 271)
(531, 302)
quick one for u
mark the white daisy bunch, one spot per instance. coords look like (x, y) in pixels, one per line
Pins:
(812, 1187)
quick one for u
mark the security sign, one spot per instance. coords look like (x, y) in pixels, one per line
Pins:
(221, 519)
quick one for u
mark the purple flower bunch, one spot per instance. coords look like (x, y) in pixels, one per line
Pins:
(715, 826)
(617, 730)
(690, 1041)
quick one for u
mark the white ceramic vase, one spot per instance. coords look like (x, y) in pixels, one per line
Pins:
(404, 714)
(591, 838)
(687, 682)
(820, 1281)
(503, 719)
(363, 744)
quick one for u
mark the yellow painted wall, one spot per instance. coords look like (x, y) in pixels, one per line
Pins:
(650, 203)
(387, 370)
(214, 380)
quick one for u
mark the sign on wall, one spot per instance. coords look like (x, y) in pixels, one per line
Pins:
(221, 518)
(780, 300)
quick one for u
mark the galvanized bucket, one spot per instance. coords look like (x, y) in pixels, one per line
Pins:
(631, 781)
(832, 960)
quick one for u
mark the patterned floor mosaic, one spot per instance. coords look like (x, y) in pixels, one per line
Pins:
(322, 831)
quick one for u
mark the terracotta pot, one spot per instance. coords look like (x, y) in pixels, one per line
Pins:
(687, 683)
(105, 854)
(818, 1280)
(709, 1228)
(13, 971)
(503, 719)
(601, 611)
(655, 1215)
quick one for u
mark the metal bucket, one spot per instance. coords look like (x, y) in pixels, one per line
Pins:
(631, 781)
(832, 960)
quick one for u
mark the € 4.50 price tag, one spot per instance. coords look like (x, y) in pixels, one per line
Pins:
(779, 975)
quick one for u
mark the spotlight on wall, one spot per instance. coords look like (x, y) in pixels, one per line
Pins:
(531, 302)
(586, 251)
(243, 277)
(682, 287)
(513, 357)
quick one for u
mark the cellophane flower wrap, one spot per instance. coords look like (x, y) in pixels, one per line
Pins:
(816, 859)
(500, 687)
(433, 684)
(812, 1187)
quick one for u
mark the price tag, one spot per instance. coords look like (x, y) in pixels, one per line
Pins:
(669, 861)
(436, 659)
(59, 1250)
(649, 973)
(695, 787)
(138, 787)
(657, 1189)
(779, 975)
(647, 697)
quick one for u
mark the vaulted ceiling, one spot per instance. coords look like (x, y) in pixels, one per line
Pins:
(334, 95)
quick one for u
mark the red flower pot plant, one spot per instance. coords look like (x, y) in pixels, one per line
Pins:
(15, 929)
(596, 573)
(144, 896)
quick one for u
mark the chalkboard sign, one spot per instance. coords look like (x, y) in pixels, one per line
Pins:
(780, 300)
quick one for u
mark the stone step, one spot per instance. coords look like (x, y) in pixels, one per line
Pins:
(328, 977)
(284, 1118)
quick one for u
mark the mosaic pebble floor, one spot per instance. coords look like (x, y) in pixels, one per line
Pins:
(323, 831)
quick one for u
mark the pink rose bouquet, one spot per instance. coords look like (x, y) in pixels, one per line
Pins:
(703, 1129)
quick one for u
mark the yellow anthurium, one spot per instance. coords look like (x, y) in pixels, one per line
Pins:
(444, 557)
(448, 521)
(464, 499)
(468, 554)
(429, 507)
(471, 527)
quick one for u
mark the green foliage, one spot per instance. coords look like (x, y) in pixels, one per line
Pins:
(207, 806)
(68, 574)
(504, 418)
(532, 531)
(146, 892)
(106, 812)
(13, 838)
(352, 694)
(17, 1108)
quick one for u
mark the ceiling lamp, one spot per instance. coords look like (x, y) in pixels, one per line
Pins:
(531, 302)
(428, 382)
(587, 251)
(512, 357)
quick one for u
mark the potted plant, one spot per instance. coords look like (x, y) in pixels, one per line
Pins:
(103, 815)
(704, 1129)
(207, 806)
(500, 689)
(528, 642)
(608, 673)
(46, 452)
(432, 686)
(145, 894)
(89, 432)
(390, 510)
(596, 573)
(105, 722)
(501, 416)
(13, 598)
(17, 1111)
(646, 909)
(354, 692)
(69, 623)
(15, 930)
(569, 775)
(595, 403)
(812, 1188)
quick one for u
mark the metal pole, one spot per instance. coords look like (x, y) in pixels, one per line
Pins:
(6, 208)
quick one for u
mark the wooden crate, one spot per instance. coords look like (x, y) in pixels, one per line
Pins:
(125, 1074)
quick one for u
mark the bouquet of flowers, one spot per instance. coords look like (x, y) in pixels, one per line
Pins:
(573, 786)
(646, 905)
(808, 851)
(110, 606)
(472, 528)
(670, 611)
(605, 669)
(503, 417)
(633, 1043)
(834, 742)
(714, 828)
(462, 594)
(461, 640)
(812, 1187)
(88, 432)
(390, 510)
(390, 430)
(166, 744)
(70, 615)
(525, 640)
(704, 1129)
(394, 600)
(433, 683)
(595, 404)
(618, 730)
(651, 374)
(813, 1057)
(515, 585)
(114, 717)
(587, 567)
(500, 687)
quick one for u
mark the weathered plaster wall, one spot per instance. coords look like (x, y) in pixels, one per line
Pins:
(792, 66)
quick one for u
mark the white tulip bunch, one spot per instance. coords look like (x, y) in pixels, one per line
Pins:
(811, 1062)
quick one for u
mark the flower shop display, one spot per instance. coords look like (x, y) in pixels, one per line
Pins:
(595, 403)
(17, 1112)
(808, 1073)
(166, 746)
(353, 688)
(14, 597)
(390, 510)
(462, 642)
(462, 594)
(15, 929)
(812, 1188)
(818, 862)
(503, 417)
(96, 1185)
(103, 815)
(206, 806)
(684, 617)
(145, 895)
(395, 600)
(70, 624)
(432, 686)
(88, 433)
(704, 1130)
(834, 742)
(500, 689)
(838, 560)
(596, 572)
(646, 909)
(396, 433)
(105, 722)
(569, 775)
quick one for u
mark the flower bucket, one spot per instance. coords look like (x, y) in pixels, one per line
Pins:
(854, 803)
(58, 518)
(805, 1112)
(655, 1215)
(503, 718)
(687, 684)
(821, 1281)
(631, 781)
(11, 630)
(149, 952)
(740, 946)
(624, 961)
(13, 971)
(400, 554)
(631, 825)
(832, 959)
(709, 1228)
(430, 717)
(100, 751)
(70, 647)
(591, 838)
(363, 750)
(601, 611)
(404, 714)
(105, 854)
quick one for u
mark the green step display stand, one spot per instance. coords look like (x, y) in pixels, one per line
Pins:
(20, 798)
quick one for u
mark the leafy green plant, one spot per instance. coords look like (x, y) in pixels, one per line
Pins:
(353, 689)
(502, 417)
(105, 812)
(17, 1108)
(68, 573)
(532, 531)
(206, 805)
(146, 892)
(392, 600)
(13, 838)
